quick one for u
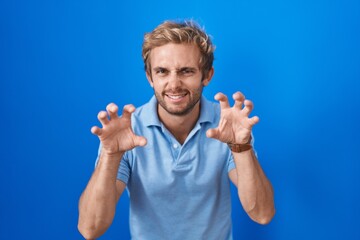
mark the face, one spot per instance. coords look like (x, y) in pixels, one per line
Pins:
(176, 77)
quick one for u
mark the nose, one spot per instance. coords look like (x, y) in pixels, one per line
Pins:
(174, 81)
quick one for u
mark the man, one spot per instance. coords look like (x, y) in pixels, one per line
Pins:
(176, 154)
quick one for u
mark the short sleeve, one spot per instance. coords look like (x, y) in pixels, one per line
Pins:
(124, 169)
(231, 164)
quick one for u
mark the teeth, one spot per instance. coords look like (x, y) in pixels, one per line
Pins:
(176, 96)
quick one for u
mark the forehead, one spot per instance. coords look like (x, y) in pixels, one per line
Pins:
(175, 55)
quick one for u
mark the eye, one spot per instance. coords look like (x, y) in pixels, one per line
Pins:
(161, 71)
(187, 71)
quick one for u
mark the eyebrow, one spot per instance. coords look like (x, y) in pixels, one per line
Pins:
(186, 68)
(159, 68)
(177, 69)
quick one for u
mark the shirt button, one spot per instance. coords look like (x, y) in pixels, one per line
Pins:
(175, 145)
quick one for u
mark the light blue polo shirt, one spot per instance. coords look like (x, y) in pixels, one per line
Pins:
(178, 191)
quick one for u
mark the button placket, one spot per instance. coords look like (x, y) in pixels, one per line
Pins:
(175, 148)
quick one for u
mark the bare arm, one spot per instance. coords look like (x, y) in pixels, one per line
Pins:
(98, 201)
(254, 189)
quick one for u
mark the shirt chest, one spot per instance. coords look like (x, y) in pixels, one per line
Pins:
(165, 166)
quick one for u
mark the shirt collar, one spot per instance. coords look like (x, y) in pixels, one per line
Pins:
(150, 110)
(207, 113)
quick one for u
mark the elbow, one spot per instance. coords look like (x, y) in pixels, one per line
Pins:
(92, 226)
(87, 232)
(266, 219)
(263, 217)
(91, 231)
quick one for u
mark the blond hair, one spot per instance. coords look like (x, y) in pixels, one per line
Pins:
(187, 32)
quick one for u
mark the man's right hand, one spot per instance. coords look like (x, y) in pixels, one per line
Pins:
(116, 134)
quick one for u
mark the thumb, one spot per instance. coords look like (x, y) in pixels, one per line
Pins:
(140, 141)
(212, 133)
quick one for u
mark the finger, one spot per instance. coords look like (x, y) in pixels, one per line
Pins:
(96, 131)
(212, 133)
(254, 120)
(128, 110)
(239, 99)
(249, 106)
(103, 117)
(140, 141)
(222, 98)
(112, 110)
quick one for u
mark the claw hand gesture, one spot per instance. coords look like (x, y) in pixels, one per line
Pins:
(116, 134)
(234, 125)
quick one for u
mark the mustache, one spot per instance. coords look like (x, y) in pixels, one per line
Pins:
(175, 91)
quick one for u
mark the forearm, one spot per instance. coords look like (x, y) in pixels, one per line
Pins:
(254, 189)
(98, 202)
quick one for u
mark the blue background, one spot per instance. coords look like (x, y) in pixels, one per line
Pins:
(63, 61)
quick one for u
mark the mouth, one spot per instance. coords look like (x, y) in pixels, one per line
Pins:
(176, 97)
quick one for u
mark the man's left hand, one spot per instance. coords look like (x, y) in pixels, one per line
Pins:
(234, 125)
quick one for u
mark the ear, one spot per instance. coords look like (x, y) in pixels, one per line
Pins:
(208, 78)
(149, 78)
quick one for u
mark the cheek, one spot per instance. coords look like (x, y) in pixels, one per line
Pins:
(196, 85)
(159, 83)
(157, 86)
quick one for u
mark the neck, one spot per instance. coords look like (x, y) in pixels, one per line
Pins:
(180, 126)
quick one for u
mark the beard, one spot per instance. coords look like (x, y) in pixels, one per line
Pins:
(183, 109)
